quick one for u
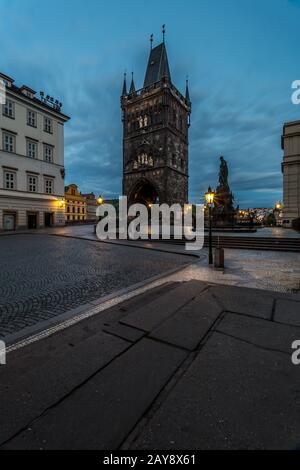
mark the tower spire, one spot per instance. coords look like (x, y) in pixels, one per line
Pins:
(187, 92)
(151, 42)
(124, 91)
(163, 32)
(132, 86)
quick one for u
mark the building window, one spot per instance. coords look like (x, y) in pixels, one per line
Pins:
(31, 118)
(32, 184)
(48, 125)
(49, 186)
(9, 142)
(9, 109)
(31, 149)
(48, 153)
(9, 180)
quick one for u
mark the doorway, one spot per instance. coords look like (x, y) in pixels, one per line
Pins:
(48, 219)
(32, 221)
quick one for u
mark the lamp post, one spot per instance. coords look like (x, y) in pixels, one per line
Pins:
(100, 202)
(209, 196)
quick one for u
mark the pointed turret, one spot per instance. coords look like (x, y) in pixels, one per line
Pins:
(187, 92)
(132, 86)
(124, 91)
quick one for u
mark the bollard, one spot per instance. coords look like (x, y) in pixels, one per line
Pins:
(219, 257)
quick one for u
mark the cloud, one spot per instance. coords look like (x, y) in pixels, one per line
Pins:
(230, 118)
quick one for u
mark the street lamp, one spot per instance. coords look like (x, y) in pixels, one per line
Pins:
(100, 200)
(209, 196)
(61, 203)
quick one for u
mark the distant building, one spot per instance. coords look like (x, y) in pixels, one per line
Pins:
(291, 172)
(76, 206)
(259, 214)
(31, 159)
(91, 206)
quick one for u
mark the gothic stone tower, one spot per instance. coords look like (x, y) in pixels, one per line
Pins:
(156, 120)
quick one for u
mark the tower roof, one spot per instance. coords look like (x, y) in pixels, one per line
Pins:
(158, 65)
(124, 91)
(132, 86)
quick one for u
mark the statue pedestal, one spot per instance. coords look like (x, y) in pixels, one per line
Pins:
(223, 212)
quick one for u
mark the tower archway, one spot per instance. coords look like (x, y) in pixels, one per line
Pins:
(144, 192)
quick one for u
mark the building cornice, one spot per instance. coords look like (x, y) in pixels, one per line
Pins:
(35, 103)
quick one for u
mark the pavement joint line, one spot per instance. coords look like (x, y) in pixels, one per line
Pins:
(292, 325)
(119, 336)
(156, 403)
(252, 344)
(273, 309)
(114, 299)
(167, 343)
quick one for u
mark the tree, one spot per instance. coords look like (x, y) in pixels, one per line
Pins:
(270, 220)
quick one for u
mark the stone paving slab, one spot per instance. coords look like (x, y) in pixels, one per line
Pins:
(109, 405)
(188, 326)
(241, 300)
(234, 396)
(266, 334)
(287, 311)
(148, 317)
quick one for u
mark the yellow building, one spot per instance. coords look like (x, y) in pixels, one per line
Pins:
(76, 208)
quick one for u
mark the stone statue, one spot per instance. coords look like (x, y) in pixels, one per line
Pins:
(223, 212)
(223, 175)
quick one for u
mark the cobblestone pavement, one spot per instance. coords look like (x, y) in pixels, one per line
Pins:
(43, 276)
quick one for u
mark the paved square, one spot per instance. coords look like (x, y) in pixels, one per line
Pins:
(44, 276)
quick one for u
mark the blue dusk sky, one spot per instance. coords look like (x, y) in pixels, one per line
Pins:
(241, 57)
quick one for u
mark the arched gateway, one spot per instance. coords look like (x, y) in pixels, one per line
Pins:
(144, 192)
(156, 120)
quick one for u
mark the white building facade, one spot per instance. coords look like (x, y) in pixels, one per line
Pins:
(31, 160)
(291, 172)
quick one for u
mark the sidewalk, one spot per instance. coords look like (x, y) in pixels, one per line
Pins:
(185, 366)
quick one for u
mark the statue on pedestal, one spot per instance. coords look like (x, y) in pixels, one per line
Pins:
(223, 175)
(223, 212)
